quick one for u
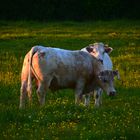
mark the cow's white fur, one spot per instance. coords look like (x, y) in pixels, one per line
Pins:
(107, 63)
(68, 69)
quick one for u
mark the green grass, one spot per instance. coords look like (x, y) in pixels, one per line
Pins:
(118, 117)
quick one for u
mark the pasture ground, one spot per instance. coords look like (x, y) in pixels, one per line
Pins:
(60, 119)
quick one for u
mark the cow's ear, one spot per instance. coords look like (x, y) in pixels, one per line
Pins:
(108, 49)
(89, 49)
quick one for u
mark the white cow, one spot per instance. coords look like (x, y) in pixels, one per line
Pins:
(100, 51)
(54, 69)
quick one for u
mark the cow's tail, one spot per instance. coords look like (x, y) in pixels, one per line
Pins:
(29, 86)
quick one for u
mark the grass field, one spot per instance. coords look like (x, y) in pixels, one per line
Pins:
(60, 119)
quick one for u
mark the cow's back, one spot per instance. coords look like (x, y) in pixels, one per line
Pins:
(66, 66)
(107, 63)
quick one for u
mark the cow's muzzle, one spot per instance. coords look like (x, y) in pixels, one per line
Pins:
(112, 93)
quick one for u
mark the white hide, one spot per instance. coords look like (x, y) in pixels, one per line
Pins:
(107, 63)
(54, 68)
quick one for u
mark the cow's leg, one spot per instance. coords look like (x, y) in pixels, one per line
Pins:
(41, 92)
(79, 91)
(78, 98)
(87, 99)
(23, 94)
(30, 97)
(97, 96)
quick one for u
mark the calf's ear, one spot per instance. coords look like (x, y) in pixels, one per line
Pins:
(108, 49)
(116, 73)
(101, 75)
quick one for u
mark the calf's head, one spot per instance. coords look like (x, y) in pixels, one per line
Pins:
(107, 81)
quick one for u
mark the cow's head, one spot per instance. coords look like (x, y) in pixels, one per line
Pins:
(107, 81)
(98, 50)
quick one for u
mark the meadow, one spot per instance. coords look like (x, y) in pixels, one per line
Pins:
(60, 119)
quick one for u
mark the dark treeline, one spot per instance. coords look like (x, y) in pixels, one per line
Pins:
(69, 9)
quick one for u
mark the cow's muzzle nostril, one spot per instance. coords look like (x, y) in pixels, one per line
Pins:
(113, 93)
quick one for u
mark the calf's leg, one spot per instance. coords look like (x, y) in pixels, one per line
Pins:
(98, 97)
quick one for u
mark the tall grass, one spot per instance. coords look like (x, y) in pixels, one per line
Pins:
(60, 118)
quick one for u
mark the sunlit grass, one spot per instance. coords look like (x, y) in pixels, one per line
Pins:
(60, 118)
